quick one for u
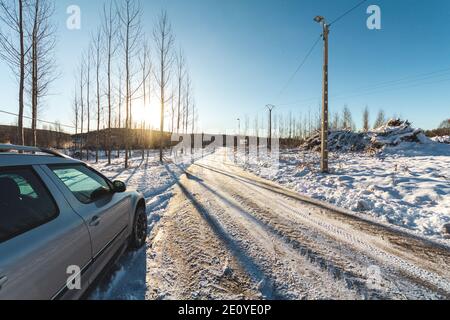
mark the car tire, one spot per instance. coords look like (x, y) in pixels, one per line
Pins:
(139, 232)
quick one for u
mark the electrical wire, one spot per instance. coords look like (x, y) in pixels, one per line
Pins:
(347, 12)
(38, 120)
(305, 59)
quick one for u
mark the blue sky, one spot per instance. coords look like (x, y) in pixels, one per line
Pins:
(241, 54)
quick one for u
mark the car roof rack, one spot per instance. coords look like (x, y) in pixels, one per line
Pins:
(11, 147)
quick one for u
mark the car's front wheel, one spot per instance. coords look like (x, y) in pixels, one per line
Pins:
(139, 233)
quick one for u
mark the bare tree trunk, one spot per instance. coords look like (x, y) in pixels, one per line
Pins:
(34, 74)
(20, 135)
(109, 31)
(127, 90)
(97, 44)
(88, 102)
(162, 103)
(109, 101)
(164, 42)
(129, 15)
(193, 118)
(82, 111)
(180, 74)
(13, 50)
(120, 107)
(43, 41)
(187, 96)
(76, 115)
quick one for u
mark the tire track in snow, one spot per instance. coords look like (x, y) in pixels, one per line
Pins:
(416, 273)
(284, 268)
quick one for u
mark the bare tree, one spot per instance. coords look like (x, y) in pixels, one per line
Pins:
(119, 111)
(194, 116)
(366, 125)
(76, 113)
(146, 67)
(81, 79)
(336, 121)
(173, 112)
(187, 101)
(164, 41)
(42, 69)
(445, 124)
(96, 40)
(109, 26)
(180, 77)
(381, 119)
(13, 50)
(246, 125)
(88, 64)
(130, 19)
(347, 120)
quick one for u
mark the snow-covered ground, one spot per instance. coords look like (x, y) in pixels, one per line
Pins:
(155, 181)
(407, 185)
(220, 233)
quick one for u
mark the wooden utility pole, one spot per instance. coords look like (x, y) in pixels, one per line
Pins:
(270, 108)
(324, 134)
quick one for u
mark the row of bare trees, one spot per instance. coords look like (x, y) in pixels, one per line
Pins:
(302, 126)
(129, 70)
(27, 45)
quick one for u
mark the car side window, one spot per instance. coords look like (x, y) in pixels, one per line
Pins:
(25, 202)
(85, 184)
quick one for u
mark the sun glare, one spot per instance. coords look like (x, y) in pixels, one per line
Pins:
(149, 114)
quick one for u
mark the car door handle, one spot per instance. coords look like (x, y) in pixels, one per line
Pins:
(95, 221)
(3, 280)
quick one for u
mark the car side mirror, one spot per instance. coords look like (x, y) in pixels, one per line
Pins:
(119, 187)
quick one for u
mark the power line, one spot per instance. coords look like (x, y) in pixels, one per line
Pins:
(378, 91)
(347, 12)
(414, 80)
(300, 66)
(315, 44)
(38, 120)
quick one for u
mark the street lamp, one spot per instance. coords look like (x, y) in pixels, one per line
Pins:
(319, 19)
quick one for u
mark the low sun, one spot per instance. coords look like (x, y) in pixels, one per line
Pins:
(148, 113)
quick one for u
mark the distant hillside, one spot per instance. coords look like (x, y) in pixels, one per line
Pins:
(137, 138)
(45, 138)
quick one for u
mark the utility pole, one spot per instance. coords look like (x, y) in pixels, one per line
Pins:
(270, 107)
(324, 134)
(239, 126)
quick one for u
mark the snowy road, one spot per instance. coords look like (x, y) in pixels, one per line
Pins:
(229, 234)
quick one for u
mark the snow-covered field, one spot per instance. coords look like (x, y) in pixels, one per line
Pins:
(408, 186)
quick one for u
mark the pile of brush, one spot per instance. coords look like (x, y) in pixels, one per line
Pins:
(393, 133)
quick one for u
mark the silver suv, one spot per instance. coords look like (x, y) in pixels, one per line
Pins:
(61, 224)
